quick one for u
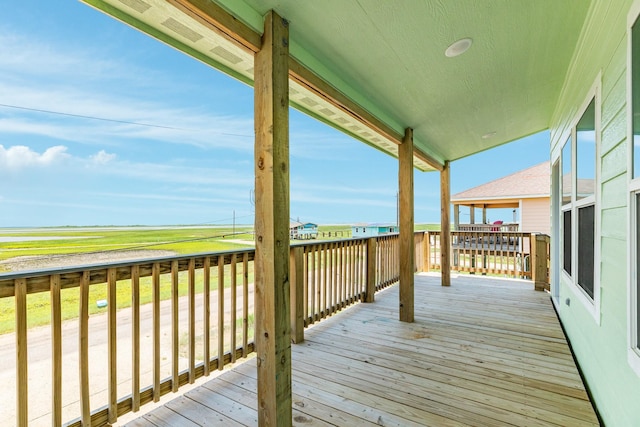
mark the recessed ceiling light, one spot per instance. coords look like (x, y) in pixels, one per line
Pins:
(488, 135)
(458, 47)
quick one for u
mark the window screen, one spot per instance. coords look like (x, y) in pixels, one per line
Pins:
(637, 266)
(586, 227)
(566, 238)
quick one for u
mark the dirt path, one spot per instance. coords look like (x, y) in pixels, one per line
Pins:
(36, 262)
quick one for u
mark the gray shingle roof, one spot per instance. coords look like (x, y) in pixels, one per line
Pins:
(527, 183)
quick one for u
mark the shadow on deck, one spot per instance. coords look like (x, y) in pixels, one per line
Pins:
(483, 352)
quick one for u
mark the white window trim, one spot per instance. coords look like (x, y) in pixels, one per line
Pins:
(633, 353)
(566, 206)
(592, 306)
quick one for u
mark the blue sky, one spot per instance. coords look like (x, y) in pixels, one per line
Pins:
(172, 142)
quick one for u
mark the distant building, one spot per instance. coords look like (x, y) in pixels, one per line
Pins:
(527, 190)
(303, 231)
(371, 230)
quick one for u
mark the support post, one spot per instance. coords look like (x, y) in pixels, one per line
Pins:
(371, 270)
(445, 226)
(272, 297)
(539, 261)
(407, 246)
(22, 363)
(296, 283)
(484, 214)
(472, 214)
(456, 217)
(426, 250)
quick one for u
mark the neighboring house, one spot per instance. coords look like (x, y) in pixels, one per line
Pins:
(371, 230)
(300, 231)
(527, 190)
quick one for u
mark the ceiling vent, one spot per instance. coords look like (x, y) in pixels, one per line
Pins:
(226, 55)
(182, 29)
(137, 5)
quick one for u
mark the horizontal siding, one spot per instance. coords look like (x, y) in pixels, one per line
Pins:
(614, 163)
(614, 192)
(536, 216)
(615, 131)
(614, 224)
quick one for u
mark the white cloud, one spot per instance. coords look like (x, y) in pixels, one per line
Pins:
(102, 157)
(20, 156)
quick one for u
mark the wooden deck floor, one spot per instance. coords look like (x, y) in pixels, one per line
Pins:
(483, 352)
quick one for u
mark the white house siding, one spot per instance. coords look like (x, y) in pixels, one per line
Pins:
(535, 216)
(599, 333)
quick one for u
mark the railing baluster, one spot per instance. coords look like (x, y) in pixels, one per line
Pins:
(334, 282)
(234, 283)
(382, 262)
(325, 289)
(83, 344)
(175, 326)
(112, 345)
(220, 312)
(305, 285)
(245, 304)
(192, 319)
(206, 306)
(135, 338)
(155, 279)
(342, 272)
(22, 373)
(356, 262)
(312, 288)
(56, 351)
(319, 282)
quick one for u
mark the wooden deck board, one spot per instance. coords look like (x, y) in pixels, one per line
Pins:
(481, 352)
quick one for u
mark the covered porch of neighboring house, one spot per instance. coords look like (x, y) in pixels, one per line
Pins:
(526, 192)
(382, 72)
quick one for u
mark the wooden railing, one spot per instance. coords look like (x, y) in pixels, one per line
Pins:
(198, 318)
(512, 254)
(510, 227)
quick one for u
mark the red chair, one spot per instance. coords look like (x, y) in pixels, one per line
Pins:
(496, 228)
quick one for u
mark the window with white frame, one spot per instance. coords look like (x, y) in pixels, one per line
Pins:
(566, 161)
(634, 185)
(585, 197)
(578, 202)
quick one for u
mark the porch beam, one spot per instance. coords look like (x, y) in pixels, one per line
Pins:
(445, 225)
(407, 246)
(272, 298)
(220, 21)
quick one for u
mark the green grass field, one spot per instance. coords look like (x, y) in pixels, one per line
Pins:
(83, 240)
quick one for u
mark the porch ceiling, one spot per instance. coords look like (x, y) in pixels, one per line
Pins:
(387, 57)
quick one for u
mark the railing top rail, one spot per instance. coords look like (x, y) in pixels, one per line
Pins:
(324, 242)
(116, 264)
